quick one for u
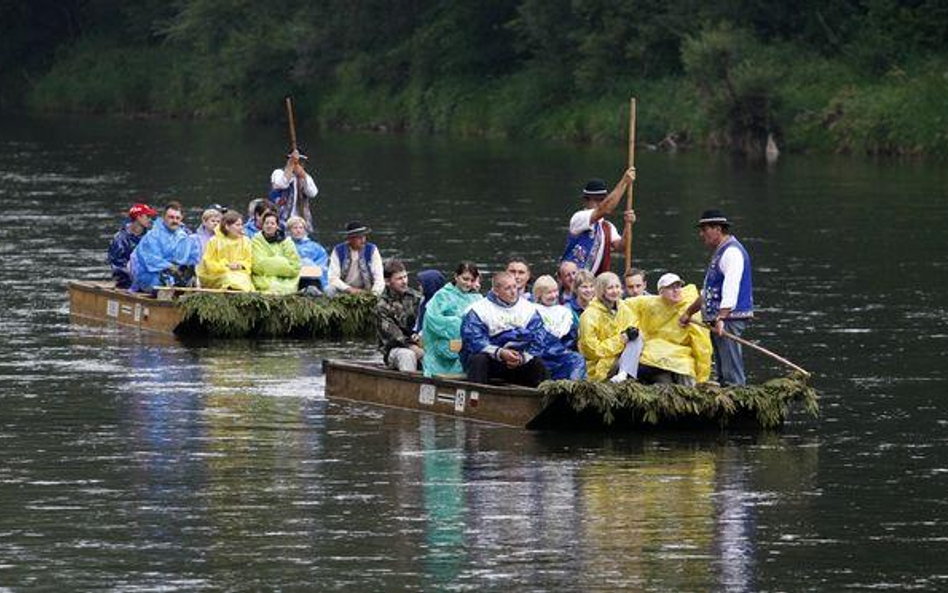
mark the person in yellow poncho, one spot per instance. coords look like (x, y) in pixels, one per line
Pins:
(276, 263)
(672, 354)
(602, 330)
(227, 258)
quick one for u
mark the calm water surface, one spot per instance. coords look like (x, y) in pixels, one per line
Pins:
(138, 463)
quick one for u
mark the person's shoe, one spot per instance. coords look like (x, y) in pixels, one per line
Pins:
(311, 291)
(620, 377)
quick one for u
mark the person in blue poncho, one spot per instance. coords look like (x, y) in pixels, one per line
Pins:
(312, 255)
(431, 282)
(502, 337)
(140, 218)
(166, 255)
(441, 324)
(561, 356)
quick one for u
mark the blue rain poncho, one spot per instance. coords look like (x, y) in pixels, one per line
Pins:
(313, 254)
(442, 325)
(158, 250)
(120, 251)
(560, 357)
(491, 324)
(431, 282)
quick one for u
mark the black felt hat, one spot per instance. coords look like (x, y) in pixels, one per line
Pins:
(356, 228)
(595, 188)
(713, 216)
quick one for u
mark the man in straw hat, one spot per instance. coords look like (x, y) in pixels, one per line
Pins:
(592, 238)
(355, 265)
(727, 298)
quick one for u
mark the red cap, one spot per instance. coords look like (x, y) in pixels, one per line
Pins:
(140, 210)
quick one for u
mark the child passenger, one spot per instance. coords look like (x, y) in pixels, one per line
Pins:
(227, 259)
(560, 356)
(311, 253)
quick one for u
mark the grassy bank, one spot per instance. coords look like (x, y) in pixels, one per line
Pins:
(806, 102)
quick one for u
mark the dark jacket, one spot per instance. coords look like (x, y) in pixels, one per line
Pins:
(120, 250)
(397, 313)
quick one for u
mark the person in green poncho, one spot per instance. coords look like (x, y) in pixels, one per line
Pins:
(442, 322)
(276, 264)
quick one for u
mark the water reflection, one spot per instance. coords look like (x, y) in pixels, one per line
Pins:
(127, 462)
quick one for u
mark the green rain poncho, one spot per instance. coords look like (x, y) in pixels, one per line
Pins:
(443, 324)
(276, 266)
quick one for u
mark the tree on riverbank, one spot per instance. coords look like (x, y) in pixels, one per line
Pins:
(844, 75)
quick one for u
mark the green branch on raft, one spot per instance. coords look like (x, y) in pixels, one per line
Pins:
(768, 402)
(257, 314)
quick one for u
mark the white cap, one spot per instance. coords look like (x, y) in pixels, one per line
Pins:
(667, 280)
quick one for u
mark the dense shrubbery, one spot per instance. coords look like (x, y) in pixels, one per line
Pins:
(846, 75)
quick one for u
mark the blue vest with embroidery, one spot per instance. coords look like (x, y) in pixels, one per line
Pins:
(365, 266)
(714, 283)
(581, 249)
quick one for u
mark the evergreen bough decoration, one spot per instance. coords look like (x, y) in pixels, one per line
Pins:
(234, 315)
(769, 403)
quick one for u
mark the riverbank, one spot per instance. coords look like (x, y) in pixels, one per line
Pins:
(819, 106)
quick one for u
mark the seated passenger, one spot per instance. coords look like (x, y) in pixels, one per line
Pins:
(430, 281)
(602, 331)
(311, 253)
(165, 255)
(635, 283)
(397, 310)
(210, 220)
(356, 265)
(502, 337)
(672, 354)
(560, 356)
(566, 275)
(584, 291)
(520, 270)
(228, 257)
(276, 265)
(257, 210)
(441, 327)
(140, 217)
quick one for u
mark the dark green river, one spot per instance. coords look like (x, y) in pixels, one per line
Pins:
(131, 462)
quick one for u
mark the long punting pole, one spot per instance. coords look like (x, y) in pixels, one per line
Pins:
(758, 348)
(627, 231)
(291, 123)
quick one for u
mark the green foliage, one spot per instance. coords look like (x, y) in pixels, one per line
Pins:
(256, 314)
(830, 75)
(737, 78)
(768, 403)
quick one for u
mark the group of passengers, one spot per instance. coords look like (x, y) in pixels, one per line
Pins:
(272, 252)
(582, 326)
(267, 254)
(585, 323)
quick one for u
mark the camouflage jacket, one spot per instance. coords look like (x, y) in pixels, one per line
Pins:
(397, 315)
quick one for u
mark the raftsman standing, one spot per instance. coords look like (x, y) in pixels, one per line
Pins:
(727, 299)
(592, 238)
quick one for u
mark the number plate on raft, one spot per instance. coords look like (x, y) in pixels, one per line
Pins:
(428, 395)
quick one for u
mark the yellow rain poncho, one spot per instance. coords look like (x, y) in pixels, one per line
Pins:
(600, 338)
(668, 346)
(214, 272)
(276, 266)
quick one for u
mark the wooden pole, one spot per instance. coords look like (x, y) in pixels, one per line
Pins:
(627, 230)
(758, 348)
(291, 122)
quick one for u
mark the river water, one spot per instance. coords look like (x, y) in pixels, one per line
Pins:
(133, 462)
